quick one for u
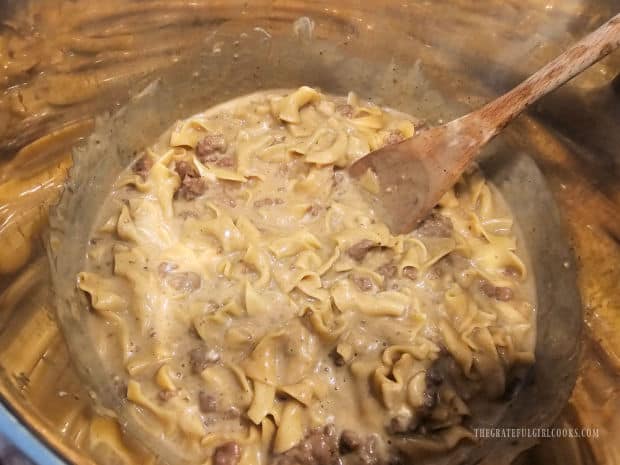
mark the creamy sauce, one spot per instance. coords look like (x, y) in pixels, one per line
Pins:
(263, 312)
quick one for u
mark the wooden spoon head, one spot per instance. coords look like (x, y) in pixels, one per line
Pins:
(415, 173)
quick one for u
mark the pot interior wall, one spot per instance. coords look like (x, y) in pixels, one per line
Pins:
(434, 60)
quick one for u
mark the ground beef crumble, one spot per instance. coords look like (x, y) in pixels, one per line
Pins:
(201, 357)
(166, 395)
(185, 169)
(192, 185)
(388, 270)
(206, 402)
(436, 225)
(143, 166)
(500, 293)
(410, 272)
(227, 454)
(192, 188)
(363, 283)
(268, 202)
(349, 441)
(210, 144)
(320, 447)
(359, 250)
(212, 149)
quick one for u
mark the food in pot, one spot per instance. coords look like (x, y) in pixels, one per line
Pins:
(262, 310)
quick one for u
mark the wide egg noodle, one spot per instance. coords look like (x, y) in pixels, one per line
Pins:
(271, 302)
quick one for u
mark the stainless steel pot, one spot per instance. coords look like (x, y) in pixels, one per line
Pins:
(69, 61)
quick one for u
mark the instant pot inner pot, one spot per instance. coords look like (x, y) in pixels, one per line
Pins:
(205, 80)
(65, 62)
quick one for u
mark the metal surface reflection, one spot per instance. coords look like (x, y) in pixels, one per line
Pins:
(63, 62)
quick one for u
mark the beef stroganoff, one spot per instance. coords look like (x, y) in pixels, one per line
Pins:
(263, 313)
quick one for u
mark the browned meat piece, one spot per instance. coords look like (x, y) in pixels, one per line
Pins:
(231, 413)
(185, 169)
(345, 110)
(358, 251)
(210, 144)
(183, 281)
(436, 225)
(212, 149)
(442, 369)
(206, 402)
(501, 293)
(435, 272)
(430, 399)
(268, 202)
(227, 454)
(349, 441)
(165, 396)
(320, 447)
(434, 377)
(201, 357)
(192, 187)
(410, 272)
(219, 159)
(394, 137)
(314, 210)
(487, 288)
(143, 165)
(363, 283)
(388, 270)
(225, 162)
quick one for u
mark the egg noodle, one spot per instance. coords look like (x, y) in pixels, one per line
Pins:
(264, 313)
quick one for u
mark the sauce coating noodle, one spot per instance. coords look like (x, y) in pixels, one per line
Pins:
(262, 310)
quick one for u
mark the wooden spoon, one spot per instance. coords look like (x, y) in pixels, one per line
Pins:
(415, 173)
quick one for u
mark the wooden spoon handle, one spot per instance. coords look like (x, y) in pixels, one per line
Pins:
(584, 53)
